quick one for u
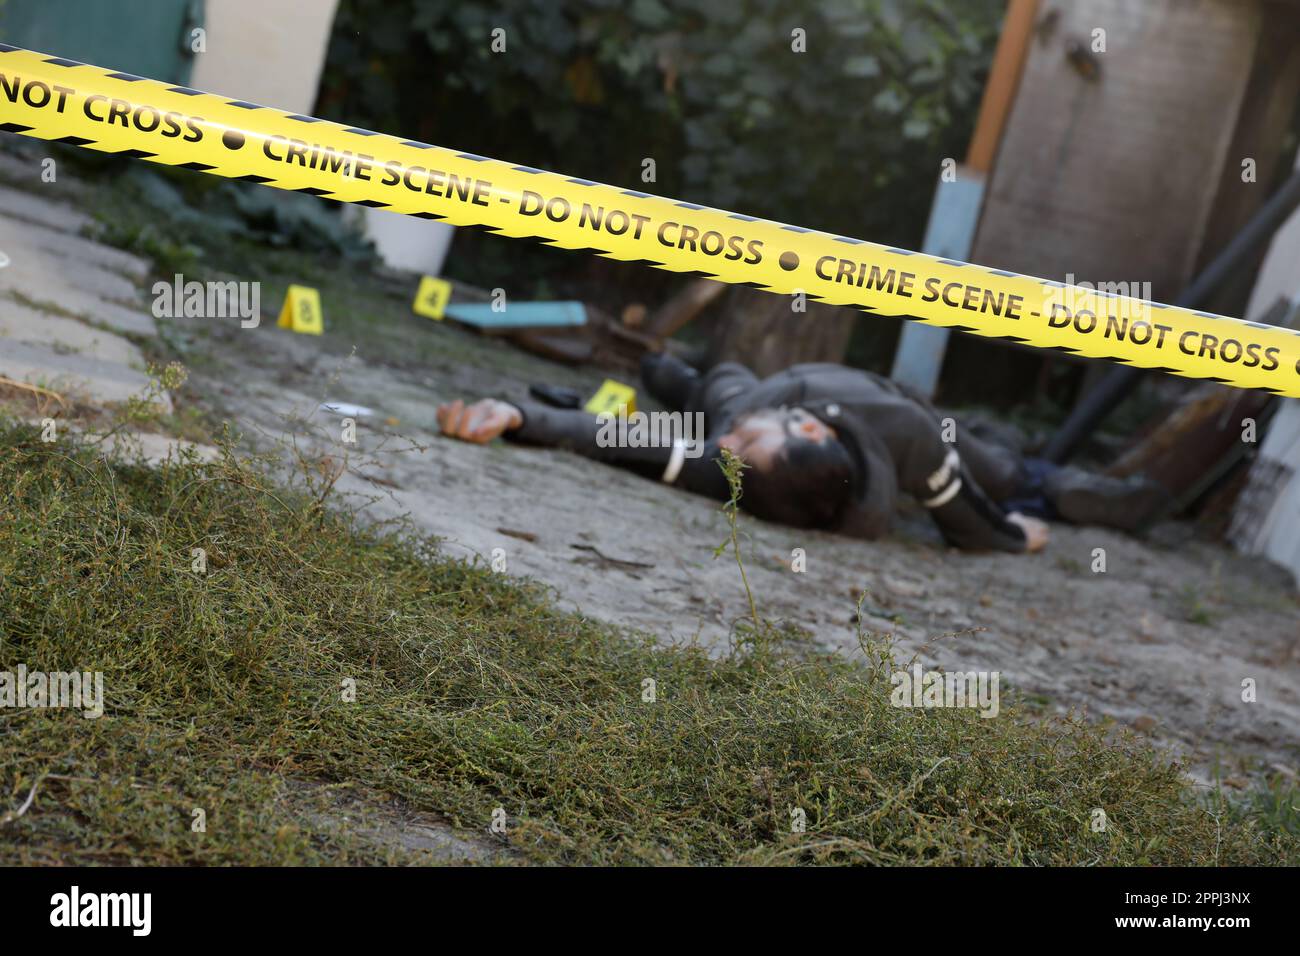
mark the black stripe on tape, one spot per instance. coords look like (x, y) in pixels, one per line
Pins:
(426, 215)
(128, 77)
(196, 166)
(74, 140)
(13, 128)
(184, 90)
(59, 61)
(372, 203)
(242, 105)
(303, 119)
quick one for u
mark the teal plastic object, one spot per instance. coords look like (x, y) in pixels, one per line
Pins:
(519, 315)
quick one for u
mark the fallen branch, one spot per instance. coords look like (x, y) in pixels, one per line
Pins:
(13, 815)
(34, 388)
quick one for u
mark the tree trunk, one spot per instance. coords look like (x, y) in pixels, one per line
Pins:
(764, 332)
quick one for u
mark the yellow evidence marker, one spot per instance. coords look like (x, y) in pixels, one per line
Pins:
(301, 311)
(431, 298)
(612, 397)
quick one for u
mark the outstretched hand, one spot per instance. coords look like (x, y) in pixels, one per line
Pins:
(480, 422)
(1036, 531)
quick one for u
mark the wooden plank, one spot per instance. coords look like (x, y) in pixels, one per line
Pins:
(949, 233)
(1110, 179)
(954, 214)
(1003, 82)
(683, 307)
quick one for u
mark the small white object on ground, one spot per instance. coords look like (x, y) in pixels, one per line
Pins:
(346, 410)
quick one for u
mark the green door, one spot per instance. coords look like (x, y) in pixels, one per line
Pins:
(149, 38)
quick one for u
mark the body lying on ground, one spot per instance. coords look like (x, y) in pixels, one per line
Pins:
(830, 447)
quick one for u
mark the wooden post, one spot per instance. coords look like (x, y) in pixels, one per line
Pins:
(957, 203)
(1004, 80)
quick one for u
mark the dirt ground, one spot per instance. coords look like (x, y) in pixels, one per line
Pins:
(1161, 641)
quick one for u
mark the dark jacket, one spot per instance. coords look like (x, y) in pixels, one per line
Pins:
(894, 437)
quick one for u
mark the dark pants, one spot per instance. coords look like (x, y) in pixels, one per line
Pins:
(1030, 497)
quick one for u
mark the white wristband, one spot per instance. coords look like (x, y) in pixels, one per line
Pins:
(675, 462)
(943, 497)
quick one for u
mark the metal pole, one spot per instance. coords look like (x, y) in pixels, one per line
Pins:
(1120, 381)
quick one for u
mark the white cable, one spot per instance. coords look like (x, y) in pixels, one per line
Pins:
(675, 462)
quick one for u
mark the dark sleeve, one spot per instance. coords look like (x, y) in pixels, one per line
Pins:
(931, 470)
(970, 520)
(580, 431)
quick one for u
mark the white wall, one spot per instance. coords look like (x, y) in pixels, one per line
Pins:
(1280, 274)
(404, 242)
(271, 52)
(1267, 520)
(268, 52)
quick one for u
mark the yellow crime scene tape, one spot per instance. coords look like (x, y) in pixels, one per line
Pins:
(65, 101)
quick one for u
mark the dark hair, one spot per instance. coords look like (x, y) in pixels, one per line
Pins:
(807, 487)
